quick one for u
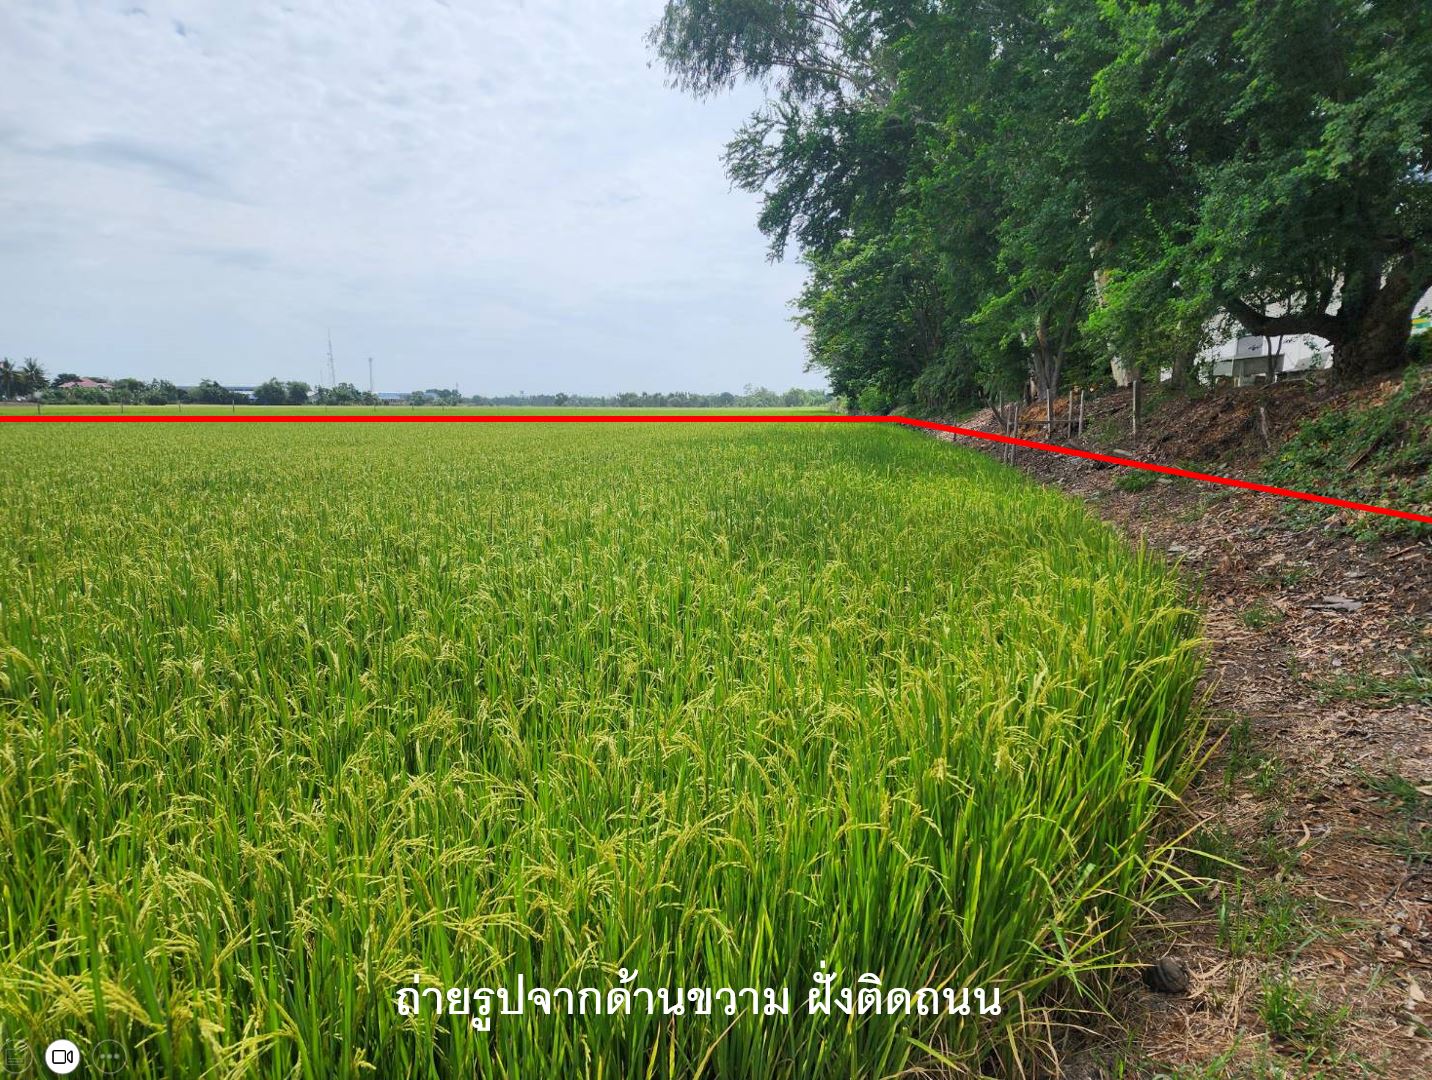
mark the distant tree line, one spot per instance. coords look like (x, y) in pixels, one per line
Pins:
(994, 193)
(28, 380)
(753, 397)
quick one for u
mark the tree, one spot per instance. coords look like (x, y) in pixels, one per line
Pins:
(127, 391)
(921, 157)
(296, 393)
(1304, 131)
(270, 392)
(209, 392)
(824, 151)
(8, 375)
(160, 392)
(985, 191)
(64, 377)
(32, 376)
(876, 314)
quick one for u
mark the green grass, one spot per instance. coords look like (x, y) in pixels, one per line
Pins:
(1413, 806)
(1413, 687)
(1259, 615)
(1135, 480)
(1265, 919)
(1379, 453)
(292, 713)
(1300, 1017)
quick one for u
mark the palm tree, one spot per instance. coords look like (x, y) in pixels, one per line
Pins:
(7, 377)
(32, 376)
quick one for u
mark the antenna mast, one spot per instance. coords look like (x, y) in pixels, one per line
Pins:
(370, 375)
(332, 377)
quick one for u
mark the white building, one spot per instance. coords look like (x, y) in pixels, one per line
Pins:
(1253, 358)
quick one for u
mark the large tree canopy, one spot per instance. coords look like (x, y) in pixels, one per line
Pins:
(1297, 135)
(995, 189)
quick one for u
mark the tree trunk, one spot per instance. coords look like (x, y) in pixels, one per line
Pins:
(1371, 330)
(1182, 366)
(1378, 341)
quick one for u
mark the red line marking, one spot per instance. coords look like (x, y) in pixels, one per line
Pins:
(722, 418)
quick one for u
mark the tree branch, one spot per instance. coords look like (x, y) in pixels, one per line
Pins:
(1297, 322)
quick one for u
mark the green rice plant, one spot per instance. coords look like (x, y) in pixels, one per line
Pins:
(293, 713)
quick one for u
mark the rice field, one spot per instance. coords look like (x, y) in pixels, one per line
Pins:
(294, 714)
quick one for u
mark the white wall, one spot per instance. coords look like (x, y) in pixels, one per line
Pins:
(1301, 352)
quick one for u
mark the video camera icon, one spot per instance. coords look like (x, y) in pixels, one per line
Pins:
(62, 1057)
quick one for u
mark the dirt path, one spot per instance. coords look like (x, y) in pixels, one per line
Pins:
(1310, 955)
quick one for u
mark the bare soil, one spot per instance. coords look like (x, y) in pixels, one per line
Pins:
(1310, 947)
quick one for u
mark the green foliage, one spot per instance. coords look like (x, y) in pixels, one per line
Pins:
(874, 315)
(1260, 615)
(346, 393)
(1379, 453)
(22, 379)
(209, 392)
(1300, 1017)
(1134, 480)
(1264, 920)
(1281, 150)
(159, 392)
(873, 401)
(1420, 349)
(1412, 686)
(1061, 183)
(1413, 804)
(293, 712)
(271, 392)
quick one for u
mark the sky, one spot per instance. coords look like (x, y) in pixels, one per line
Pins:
(499, 195)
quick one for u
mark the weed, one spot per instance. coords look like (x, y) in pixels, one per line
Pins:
(1237, 753)
(1133, 480)
(1259, 615)
(1268, 775)
(1262, 920)
(1379, 453)
(1300, 1017)
(1413, 687)
(1413, 803)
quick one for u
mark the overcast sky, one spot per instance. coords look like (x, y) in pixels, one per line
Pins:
(499, 194)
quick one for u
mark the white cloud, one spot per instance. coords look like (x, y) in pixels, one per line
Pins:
(501, 194)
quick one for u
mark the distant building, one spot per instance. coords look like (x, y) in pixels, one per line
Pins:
(86, 384)
(1252, 358)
